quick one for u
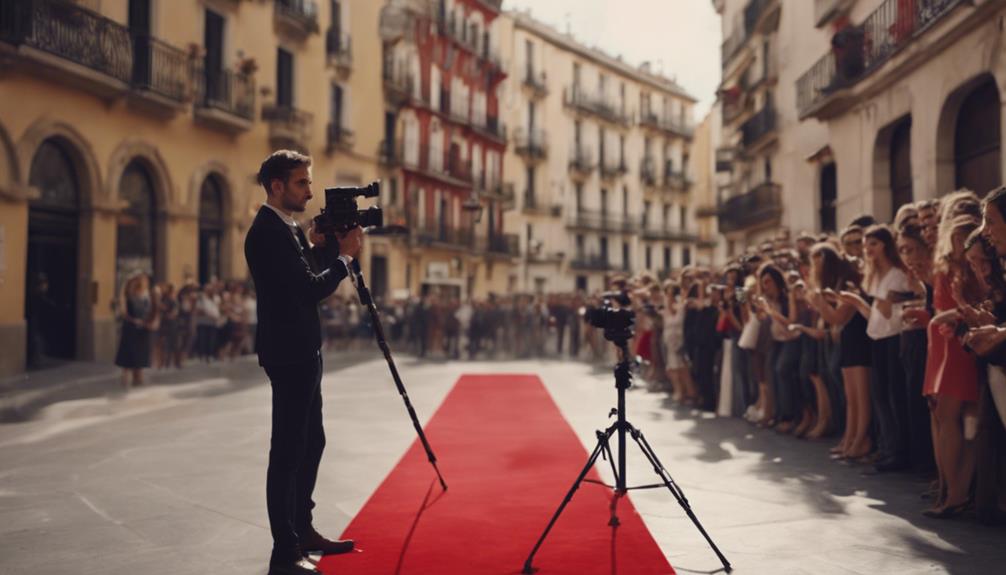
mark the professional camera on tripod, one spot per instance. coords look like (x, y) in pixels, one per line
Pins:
(616, 317)
(341, 214)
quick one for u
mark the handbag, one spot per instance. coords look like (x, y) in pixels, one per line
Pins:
(749, 335)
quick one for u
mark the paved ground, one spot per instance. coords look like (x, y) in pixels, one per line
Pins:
(170, 479)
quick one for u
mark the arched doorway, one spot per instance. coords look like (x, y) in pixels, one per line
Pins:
(901, 165)
(136, 239)
(977, 142)
(51, 275)
(211, 229)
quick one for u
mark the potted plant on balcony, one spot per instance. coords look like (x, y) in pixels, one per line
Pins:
(848, 44)
(247, 66)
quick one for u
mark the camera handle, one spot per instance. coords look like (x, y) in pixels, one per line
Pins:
(375, 319)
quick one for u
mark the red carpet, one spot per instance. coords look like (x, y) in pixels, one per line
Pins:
(508, 457)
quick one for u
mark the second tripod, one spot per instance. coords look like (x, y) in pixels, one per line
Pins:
(622, 428)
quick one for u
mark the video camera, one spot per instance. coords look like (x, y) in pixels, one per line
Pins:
(341, 212)
(617, 322)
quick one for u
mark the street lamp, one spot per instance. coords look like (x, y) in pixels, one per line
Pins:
(473, 206)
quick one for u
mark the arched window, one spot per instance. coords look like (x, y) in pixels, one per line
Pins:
(211, 228)
(136, 241)
(901, 165)
(51, 274)
(976, 140)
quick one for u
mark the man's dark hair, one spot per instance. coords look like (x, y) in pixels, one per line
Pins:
(997, 198)
(864, 221)
(278, 166)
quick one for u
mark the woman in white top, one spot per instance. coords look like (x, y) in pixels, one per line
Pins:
(888, 285)
(673, 336)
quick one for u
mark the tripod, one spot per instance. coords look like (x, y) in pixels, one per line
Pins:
(623, 380)
(367, 301)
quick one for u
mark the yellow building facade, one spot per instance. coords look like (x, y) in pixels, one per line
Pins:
(130, 136)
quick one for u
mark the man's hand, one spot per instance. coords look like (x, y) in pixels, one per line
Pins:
(351, 242)
(315, 238)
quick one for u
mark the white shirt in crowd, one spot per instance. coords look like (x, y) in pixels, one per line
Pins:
(878, 326)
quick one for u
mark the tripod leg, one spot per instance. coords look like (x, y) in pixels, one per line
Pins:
(606, 451)
(660, 470)
(602, 444)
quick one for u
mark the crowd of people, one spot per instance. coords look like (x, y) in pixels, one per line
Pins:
(883, 336)
(162, 326)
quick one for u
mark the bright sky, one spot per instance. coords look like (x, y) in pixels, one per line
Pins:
(680, 37)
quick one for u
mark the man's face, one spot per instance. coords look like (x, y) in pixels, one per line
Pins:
(853, 244)
(294, 194)
(995, 229)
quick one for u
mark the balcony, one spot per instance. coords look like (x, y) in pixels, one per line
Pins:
(288, 127)
(725, 158)
(533, 205)
(388, 154)
(759, 129)
(297, 18)
(581, 161)
(760, 207)
(704, 211)
(858, 51)
(732, 45)
(611, 168)
(537, 84)
(591, 262)
(225, 100)
(648, 171)
(654, 121)
(500, 245)
(596, 105)
(532, 145)
(674, 180)
(339, 137)
(762, 15)
(491, 128)
(654, 231)
(339, 51)
(497, 192)
(162, 75)
(601, 221)
(399, 83)
(441, 235)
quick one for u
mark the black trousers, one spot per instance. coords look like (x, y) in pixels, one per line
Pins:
(889, 396)
(920, 437)
(298, 440)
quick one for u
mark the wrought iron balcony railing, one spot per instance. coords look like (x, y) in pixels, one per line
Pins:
(299, 16)
(581, 160)
(591, 262)
(532, 144)
(339, 136)
(679, 127)
(648, 171)
(859, 50)
(161, 68)
(499, 244)
(227, 92)
(759, 207)
(535, 205)
(288, 126)
(760, 125)
(388, 154)
(538, 83)
(70, 32)
(441, 233)
(601, 220)
(339, 48)
(598, 105)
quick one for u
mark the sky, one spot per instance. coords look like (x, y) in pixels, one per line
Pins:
(680, 37)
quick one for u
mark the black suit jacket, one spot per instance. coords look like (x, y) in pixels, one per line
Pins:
(289, 285)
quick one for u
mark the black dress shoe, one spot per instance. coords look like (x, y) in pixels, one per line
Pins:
(313, 542)
(300, 567)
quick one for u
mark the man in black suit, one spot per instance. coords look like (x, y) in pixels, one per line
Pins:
(291, 279)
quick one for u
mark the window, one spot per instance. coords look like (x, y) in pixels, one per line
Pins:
(529, 59)
(625, 256)
(667, 258)
(284, 79)
(579, 198)
(337, 110)
(977, 140)
(580, 247)
(604, 250)
(686, 257)
(683, 212)
(213, 61)
(828, 194)
(649, 257)
(901, 165)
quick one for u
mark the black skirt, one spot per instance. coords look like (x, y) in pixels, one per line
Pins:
(134, 347)
(856, 350)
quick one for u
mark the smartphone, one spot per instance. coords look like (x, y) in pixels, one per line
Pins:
(901, 296)
(961, 330)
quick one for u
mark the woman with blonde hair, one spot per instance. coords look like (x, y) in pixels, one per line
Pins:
(951, 372)
(673, 336)
(138, 314)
